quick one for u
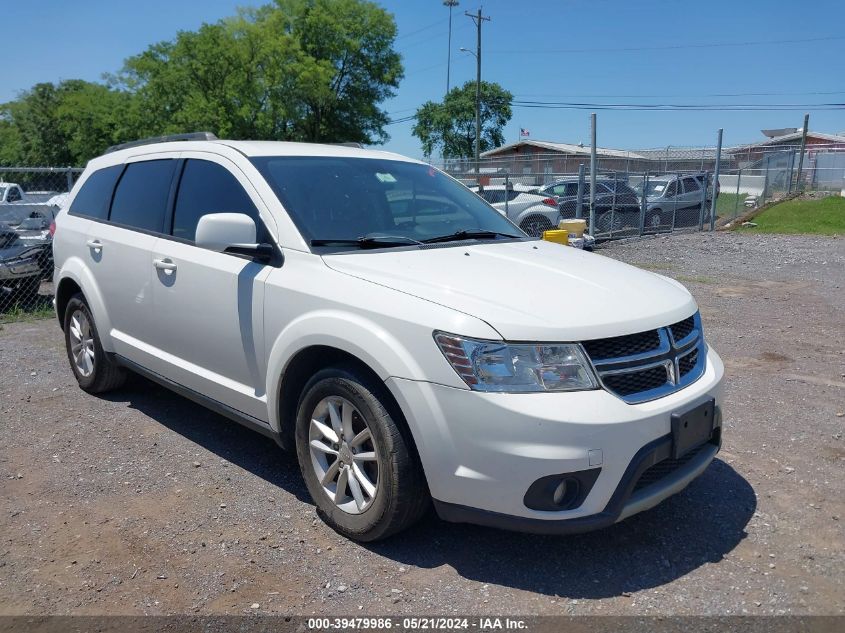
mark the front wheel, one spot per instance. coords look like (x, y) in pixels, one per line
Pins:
(654, 220)
(357, 464)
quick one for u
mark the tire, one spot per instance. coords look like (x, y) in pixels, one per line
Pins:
(28, 289)
(609, 222)
(534, 225)
(398, 497)
(95, 372)
(654, 221)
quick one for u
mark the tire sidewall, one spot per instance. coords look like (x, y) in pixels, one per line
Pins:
(75, 303)
(339, 382)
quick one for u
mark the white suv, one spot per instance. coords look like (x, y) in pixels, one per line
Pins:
(383, 321)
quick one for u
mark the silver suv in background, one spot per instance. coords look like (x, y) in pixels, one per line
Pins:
(675, 200)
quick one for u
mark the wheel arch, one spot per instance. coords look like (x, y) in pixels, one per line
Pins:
(73, 278)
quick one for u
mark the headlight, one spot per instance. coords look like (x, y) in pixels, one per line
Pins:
(498, 366)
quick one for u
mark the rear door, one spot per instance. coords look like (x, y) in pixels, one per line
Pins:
(209, 305)
(692, 192)
(119, 251)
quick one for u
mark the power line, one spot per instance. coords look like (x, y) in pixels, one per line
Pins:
(691, 96)
(672, 47)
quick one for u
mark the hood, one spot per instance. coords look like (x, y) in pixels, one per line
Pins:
(528, 291)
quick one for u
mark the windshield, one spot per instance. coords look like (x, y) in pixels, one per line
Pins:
(655, 188)
(342, 198)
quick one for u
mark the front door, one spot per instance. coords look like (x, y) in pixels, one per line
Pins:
(209, 305)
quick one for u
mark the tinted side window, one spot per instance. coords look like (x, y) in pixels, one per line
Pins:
(207, 187)
(141, 197)
(94, 197)
(690, 185)
(14, 195)
(672, 189)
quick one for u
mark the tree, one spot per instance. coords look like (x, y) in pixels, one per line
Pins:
(63, 124)
(307, 70)
(450, 126)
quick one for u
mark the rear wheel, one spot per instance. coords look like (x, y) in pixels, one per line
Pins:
(534, 225)
(609, 222)
(357, 465)
(94, 371)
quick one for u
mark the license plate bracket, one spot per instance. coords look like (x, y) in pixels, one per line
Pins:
(692, 427)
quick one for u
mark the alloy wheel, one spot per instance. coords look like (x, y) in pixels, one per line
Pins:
(343, 454)
(81, 343)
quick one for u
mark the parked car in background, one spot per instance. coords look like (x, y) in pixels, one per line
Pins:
(12, 193)
(675, 200)
(21, 268)
(36, 230)
(617, 204)
(531, 211)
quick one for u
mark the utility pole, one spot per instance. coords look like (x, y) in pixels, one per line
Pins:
(478, 19)
(451, 4)
(799, 188)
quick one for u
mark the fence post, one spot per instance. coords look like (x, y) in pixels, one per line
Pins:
(715, 181)
(736, 202)
(579, 200)
(798, 186)
(643, 202)
(507, 192)
(592, 173)
(766, 182)
(703, 204)
(69, 177)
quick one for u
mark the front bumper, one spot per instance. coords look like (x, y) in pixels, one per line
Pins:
(481, 452)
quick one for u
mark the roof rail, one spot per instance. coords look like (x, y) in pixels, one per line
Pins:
(349, 144)
(190, 136)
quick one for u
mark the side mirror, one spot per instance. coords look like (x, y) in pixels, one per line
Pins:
(231, 233)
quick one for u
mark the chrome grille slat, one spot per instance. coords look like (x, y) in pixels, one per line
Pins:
(650, 364)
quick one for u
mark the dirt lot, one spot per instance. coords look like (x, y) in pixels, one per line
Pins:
(141, 502)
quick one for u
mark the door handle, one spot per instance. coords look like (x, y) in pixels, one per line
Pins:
(166, 265)
(95, 244)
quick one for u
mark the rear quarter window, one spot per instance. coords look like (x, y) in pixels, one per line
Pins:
(140, 200)
(94, 196)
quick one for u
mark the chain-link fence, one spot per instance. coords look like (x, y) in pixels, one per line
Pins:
(29, 200)
(642, 192)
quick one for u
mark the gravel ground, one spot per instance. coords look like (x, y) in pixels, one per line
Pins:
(143, 503)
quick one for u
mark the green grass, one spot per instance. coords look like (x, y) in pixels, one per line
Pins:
(825, 216)
(727, 202)
(41, 308)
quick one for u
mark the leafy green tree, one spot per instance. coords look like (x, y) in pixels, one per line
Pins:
(63, 124)
(450, 126)
(309, 70)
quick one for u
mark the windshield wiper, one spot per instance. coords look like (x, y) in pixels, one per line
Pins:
(478, 234)
(369, 241)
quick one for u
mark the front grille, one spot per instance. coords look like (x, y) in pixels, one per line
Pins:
(682, 329)
(664, 468)
(648, 365)
(636, 381)
(687, 363)
(619, 346)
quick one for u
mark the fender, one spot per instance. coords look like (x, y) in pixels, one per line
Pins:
(74, 268)
(361, 337)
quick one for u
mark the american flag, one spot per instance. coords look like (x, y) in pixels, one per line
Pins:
(524, 132)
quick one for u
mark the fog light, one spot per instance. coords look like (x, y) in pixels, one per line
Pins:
(566, 491)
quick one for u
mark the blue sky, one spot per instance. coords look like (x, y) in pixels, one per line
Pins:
(546, 50)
